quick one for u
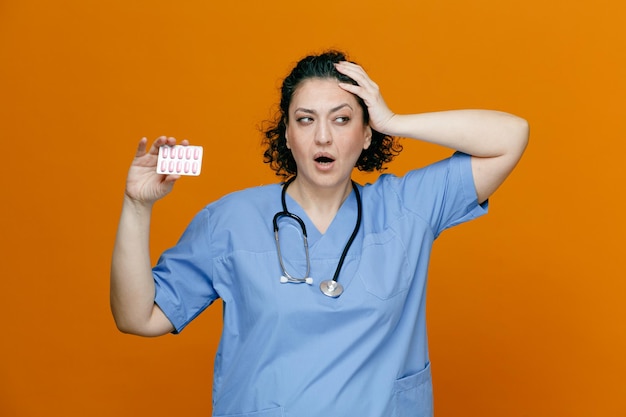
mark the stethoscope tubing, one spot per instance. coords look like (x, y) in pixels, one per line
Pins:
(331, 288)
(354, 232)
(290, 278)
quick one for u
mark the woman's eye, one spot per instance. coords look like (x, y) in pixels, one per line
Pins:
(304, 119)
(342, 119)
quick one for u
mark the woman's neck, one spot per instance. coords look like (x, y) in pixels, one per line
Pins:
(321, 204)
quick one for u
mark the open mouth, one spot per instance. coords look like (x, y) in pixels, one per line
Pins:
(324, 160)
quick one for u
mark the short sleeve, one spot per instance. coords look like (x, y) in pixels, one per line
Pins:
(182, 276)
(443, 193)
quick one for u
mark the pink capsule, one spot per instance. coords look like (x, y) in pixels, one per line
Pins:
(194, 168)
(179, 167)
(188, 152)
(163, 166)
(171, 166)
(196, 153)
(180, 152)
(186, 167)
(164, 151)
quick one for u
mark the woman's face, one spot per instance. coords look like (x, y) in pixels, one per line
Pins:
(326, 133)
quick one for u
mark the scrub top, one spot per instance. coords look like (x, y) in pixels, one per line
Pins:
(287, 349)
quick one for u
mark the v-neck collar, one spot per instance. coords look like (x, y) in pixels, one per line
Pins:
(338, 231)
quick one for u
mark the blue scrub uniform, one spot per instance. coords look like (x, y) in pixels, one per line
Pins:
(289, 350)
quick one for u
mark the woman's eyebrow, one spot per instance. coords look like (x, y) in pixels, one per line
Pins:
(304, 110)
(334, 109)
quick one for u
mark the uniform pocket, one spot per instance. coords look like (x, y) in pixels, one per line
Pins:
(384, 267)
(413, 395)
(270, 412)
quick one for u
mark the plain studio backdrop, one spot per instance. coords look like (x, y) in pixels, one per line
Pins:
(526, 309)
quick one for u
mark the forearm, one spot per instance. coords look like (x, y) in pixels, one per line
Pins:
(495, 140)
(132, 285)
(480, 133)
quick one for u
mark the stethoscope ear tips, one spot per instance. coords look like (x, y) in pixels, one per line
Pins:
(284, 280)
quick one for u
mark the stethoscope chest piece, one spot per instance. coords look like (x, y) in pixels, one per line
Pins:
(331, 288)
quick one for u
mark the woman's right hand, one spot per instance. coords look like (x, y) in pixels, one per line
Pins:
(132, 284)
(143, 184)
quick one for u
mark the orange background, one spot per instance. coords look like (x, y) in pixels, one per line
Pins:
(526, 305)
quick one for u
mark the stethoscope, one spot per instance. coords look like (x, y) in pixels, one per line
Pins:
(329, 287)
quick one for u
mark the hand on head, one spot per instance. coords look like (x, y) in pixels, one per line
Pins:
(380, 115)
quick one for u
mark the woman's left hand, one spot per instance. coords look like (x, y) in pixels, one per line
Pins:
(380, 114)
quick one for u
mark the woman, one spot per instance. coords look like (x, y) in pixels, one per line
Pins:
(336, 328)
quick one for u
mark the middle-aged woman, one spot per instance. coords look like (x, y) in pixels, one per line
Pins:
(334, 324)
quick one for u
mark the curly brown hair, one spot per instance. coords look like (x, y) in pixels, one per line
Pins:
(383, 148)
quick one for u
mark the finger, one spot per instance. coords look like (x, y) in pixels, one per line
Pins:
(366, 94)
(349, 65)
(161, 141)
(351, 88)
(184, 142)
(354, 71)
(141, 147)
(170, 179)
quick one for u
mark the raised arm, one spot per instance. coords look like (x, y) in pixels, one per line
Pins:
(132, 285)
(495, 140)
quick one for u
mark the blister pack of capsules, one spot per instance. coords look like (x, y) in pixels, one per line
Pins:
(180, 160)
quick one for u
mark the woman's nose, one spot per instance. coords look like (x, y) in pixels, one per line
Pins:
(323, 135)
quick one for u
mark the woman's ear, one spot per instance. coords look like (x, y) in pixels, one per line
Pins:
(368, 137)
(286, 135)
